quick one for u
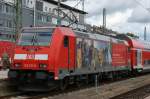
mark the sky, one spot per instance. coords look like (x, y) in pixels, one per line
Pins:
(122, 15)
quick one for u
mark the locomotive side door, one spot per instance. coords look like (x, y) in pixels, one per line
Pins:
(139, 57)
(69, 42)
(71, 52)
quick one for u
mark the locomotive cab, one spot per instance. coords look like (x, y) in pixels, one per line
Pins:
(40, 52)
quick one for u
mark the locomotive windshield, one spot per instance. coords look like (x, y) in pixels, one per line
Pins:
(6, 37)
(41, 37)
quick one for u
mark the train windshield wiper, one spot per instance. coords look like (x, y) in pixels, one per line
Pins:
(34, 39)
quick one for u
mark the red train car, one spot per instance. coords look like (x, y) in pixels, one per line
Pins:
(6, 50)
(146, 55)
(139, 53)
(135, 50)
(61, 55)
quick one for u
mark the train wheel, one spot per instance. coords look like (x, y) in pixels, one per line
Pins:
(63, 83)
(78, 82)
(111, 76)
(87, 79)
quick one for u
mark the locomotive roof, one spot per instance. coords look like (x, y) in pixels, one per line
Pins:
(96, 36)
(37, 27)
(101, 37)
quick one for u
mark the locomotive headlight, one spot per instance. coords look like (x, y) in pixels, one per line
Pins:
(17, 65)
(42, 65)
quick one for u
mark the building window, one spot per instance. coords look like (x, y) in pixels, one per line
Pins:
(64, 14)
(39, 5)
(43, 18)
(8, 9)
(1, 22)
(55, 12)
(48, 18)
(24, 2)
(49, 10)
(46, 9)
(9, 23)
(65, 22)
(61, 14)
(28, 1)
(1, 8)
(39, 17)
(54, 21)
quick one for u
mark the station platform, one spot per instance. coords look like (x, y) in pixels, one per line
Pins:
(147, 97)
(108, 91)
(3, 74)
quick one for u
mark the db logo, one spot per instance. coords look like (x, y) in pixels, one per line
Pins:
(30, 56)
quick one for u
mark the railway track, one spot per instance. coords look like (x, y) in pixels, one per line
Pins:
(106, 88)
(39, 95)
(106, 91)
(139, 93)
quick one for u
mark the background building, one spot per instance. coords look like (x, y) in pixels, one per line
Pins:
(39, 13)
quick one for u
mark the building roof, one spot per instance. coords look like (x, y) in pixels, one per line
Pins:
(66, 6)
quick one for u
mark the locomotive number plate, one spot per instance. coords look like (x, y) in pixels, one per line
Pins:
(30, 56)
(30, 65)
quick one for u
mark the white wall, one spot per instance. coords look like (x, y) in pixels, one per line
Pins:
(47, 7)
(30, 3)
(10, 1)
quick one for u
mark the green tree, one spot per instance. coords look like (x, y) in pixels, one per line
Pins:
(132, 35)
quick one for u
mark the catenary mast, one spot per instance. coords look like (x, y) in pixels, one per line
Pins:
(18, 17)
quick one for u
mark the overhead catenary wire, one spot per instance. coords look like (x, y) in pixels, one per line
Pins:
(140, 4)
(148, 10)
(66, 14)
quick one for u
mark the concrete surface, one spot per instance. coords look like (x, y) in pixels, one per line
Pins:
(147, 97)
(107, 91)
(3, 74)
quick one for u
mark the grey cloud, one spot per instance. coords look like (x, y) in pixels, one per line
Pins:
(133, 24)
(139, 15)
(94, 7)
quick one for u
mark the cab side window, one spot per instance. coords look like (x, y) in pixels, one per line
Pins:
(66, 41)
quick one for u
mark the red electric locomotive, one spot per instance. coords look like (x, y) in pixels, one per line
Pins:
(6, 49)
(59, 56)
